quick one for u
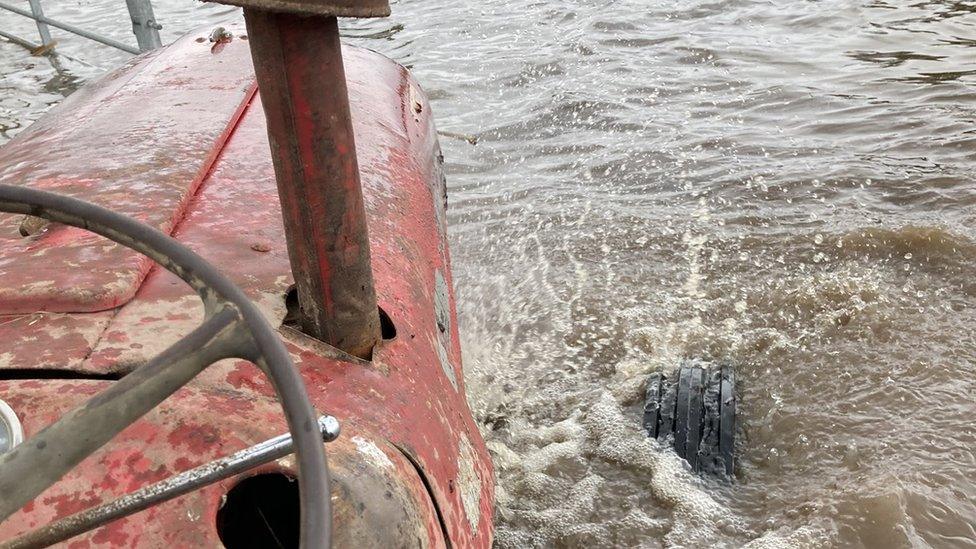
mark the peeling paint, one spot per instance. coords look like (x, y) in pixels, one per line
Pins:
(469, 483)
(372, 452)
(408, 396)
(126, 156)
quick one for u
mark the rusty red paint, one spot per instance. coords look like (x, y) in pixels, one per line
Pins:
(111, 534)
(49, 340)
(403, 401)
(142, 151)
(188, 521)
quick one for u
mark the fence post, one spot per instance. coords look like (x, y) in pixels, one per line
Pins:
(42, 28)
(144, 24)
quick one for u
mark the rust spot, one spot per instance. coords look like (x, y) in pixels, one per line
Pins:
(196, 439)
(108, 483)
(246, 376)
(113, 534)
(65, 505)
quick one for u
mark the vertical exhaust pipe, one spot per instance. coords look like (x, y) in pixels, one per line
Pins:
(298, 62)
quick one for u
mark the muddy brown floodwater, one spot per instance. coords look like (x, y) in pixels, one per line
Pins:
(787, 185)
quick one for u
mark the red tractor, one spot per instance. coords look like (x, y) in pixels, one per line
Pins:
(213, 260)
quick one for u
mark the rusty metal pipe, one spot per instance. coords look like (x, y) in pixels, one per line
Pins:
(302, 82)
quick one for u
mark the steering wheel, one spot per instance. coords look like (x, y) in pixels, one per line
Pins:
(233, 327)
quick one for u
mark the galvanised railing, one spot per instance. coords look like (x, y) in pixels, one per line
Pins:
(144, 26)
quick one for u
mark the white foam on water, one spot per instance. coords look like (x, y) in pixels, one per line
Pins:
(573, 467)
(586, 474)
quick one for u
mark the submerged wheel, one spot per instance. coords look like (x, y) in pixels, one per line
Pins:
(693, 410)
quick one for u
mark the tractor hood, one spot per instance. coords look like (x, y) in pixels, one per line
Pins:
(139, 141)
(178, 139)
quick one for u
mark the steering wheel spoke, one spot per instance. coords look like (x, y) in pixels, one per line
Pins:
(31, 468)
(233, 328)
